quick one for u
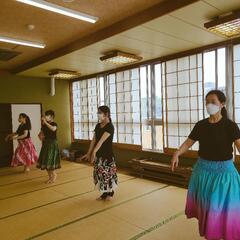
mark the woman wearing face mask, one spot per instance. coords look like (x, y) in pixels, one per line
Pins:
(214, 189)
(100, 153)
(25, 153)
(49, 158)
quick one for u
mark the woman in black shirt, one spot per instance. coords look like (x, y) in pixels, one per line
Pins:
(25, 153)
(100, 153)
(214, 189)
(49, 158)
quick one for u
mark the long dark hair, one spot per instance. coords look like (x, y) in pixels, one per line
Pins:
(106, 110)
(28, 121)
(222, 99)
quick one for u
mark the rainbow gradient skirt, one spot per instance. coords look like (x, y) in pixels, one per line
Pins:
(214, 199)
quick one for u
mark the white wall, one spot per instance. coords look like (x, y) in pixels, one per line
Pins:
(34, 113)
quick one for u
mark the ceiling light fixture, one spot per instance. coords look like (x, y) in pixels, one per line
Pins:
(118, 57)
(227, 25)
(64, 74)
(61, 10)
(21, 42)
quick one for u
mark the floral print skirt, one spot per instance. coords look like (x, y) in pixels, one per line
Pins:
(105, 174)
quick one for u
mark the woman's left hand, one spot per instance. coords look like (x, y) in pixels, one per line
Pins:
(93, 157)
(44, 120)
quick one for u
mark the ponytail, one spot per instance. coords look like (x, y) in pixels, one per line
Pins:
(28, 121)
(224, 113)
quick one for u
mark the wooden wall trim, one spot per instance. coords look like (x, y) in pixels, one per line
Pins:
(142, 17)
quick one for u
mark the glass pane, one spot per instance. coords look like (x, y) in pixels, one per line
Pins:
(147, 137)
(209, 71)
(171, 79)
(158, 91)
(173, 142)
(237, 68)
(221, 69)
(183, 90)
(171, 66)
(183, 63)
(183, 77)
(193, 61)
(159, 137)
(237, 84)
(236, 52)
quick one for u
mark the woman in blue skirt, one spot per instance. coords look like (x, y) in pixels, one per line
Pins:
(214, 189)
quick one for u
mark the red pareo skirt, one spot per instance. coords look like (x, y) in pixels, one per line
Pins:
(25, 153)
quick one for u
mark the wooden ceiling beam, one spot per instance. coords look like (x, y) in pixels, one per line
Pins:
(142, 17)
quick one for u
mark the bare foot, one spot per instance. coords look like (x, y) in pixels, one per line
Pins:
(53, 178)
(26, 169)
(48, 181)
(108, 198)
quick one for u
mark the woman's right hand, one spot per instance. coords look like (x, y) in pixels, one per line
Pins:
(86, 157)
(7, 138)
(174, 161)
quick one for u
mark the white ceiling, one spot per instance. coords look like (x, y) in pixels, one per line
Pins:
(181, 30)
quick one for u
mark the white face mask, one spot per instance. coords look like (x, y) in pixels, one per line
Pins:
(212, 109)
(100, 117)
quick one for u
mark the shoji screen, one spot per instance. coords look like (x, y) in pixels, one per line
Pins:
(92, 105)
(128, 107)
(183, 98)
(111, 101)
(236, 81)
(80, 109)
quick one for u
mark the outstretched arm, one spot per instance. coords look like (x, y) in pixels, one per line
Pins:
(104, 137)
(183, 148)
(90, 150)
(24, 135)
(237, 144)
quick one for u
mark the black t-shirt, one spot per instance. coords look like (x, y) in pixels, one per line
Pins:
(215, 139)
(105, 150)
(49, 134)
(21, 129)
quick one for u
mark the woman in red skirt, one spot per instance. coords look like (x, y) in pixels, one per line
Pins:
(25, 153)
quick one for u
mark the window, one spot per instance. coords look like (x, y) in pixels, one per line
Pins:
(155, 105)
(146, 107)
(80, 110)
(236, 81)
(112, 101)
(87, 95)
(183, 98)
(124, 102)
(215, 70)
(158, 126)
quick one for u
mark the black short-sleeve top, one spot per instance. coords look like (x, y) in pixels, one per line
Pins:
(215, 139)
(21, 129)
(48, 133)
(106, 150)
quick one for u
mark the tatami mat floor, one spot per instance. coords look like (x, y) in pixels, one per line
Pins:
(67, 210)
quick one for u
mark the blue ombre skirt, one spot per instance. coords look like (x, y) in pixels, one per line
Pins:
(214, 199)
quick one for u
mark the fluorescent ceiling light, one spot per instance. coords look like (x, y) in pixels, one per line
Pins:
(64, 74)
(61, 10)
(227, 26)
(21, 42)
(118, 57)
